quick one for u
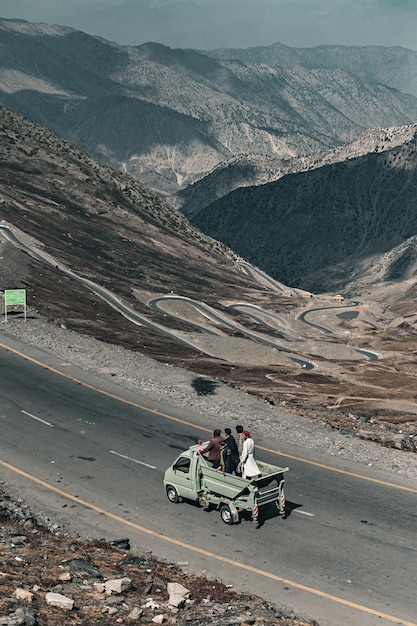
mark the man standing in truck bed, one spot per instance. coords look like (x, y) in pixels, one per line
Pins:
(239, 438)
(247, 458)
(233, 452)
(213, 448)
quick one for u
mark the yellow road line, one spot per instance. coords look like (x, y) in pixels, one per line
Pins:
(191, 425)
(212, 555)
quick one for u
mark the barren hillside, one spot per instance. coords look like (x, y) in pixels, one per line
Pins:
(202, 308)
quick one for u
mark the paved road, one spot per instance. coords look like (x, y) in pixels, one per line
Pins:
(345, 554)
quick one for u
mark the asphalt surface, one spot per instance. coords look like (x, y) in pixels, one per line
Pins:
(344, 554)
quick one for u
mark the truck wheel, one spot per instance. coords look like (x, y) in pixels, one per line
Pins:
(226, 515)
(172, 494)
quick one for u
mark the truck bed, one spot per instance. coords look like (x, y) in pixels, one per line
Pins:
(230, 486)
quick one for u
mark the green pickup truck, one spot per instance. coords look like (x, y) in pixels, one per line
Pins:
(192, 477)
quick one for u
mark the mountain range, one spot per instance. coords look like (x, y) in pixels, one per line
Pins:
(248, 170)
(250, 145)
(170, 116)
(395, 67)
(102, 223)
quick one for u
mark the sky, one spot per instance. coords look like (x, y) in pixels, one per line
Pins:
(208, 24)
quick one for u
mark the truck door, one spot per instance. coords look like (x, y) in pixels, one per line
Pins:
(184, 480)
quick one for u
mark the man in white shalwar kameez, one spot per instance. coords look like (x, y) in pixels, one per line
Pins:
(247, 458)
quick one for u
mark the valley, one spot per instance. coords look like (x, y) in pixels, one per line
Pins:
(245, 291)
(207, 238)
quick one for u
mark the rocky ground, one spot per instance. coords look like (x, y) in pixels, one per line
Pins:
(49, 578)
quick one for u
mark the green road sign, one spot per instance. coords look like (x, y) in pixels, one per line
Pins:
(15, 297)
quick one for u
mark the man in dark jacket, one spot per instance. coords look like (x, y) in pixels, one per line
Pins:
(232, 453)
(213, 448)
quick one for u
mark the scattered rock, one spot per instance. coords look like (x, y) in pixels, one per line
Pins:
(117, 585)
(82, 568)
(24, 594)
(122, 544)
(178, 594)
(57, 599)
(20, 617)
(135, 613)
(181, 599)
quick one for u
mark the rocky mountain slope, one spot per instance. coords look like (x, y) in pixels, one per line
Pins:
(102, 223)
(253, 170)
(170, 116)
(347, 225)
(73, 229)
(392, 66)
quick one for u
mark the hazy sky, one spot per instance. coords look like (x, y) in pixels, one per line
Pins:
(231, 23)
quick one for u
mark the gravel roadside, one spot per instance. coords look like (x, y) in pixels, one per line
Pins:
(140, 373)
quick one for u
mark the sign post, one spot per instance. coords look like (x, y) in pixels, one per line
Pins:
(14, 297)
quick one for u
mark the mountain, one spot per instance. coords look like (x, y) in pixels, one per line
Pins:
(252, 170)
(244, 170)
(349, 225)
(100, 254)
(101, 223)
(170, 116)
(395, 67)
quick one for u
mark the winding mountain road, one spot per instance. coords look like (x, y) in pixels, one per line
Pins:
(216, 317)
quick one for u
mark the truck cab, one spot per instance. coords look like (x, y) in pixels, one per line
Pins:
(182, 477)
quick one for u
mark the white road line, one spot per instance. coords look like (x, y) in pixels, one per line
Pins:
(129, 458)
(304, 513)
(38, 419)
